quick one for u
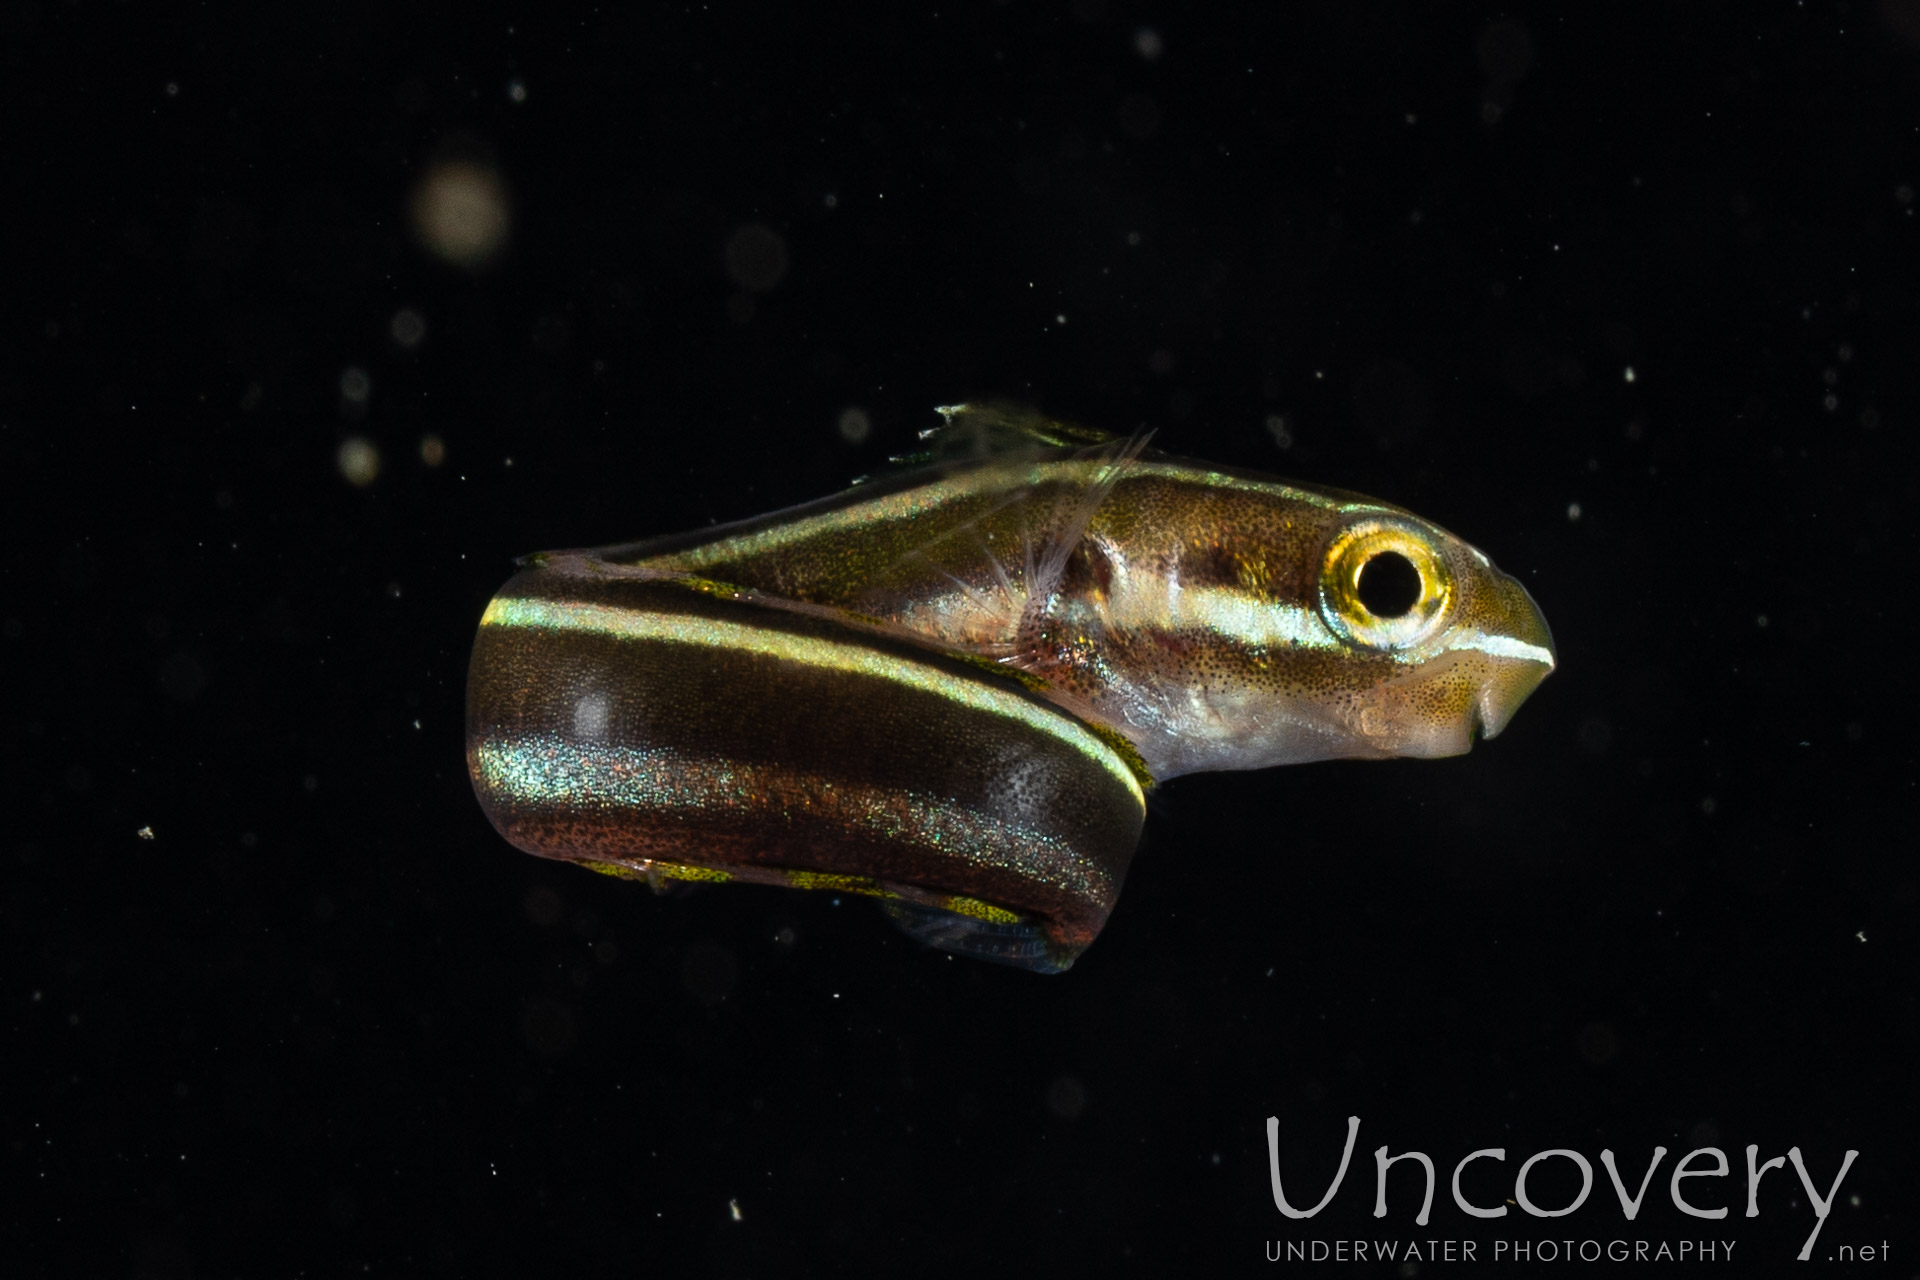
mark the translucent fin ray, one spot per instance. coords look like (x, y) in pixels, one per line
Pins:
(1022, 945)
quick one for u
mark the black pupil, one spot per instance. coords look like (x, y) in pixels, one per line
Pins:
(1389, 585)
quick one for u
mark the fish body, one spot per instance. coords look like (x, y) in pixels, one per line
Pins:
(1186, 616)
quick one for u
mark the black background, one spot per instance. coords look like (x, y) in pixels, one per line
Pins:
(326, 1022)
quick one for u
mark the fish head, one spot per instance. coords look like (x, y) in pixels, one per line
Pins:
(1450, 645)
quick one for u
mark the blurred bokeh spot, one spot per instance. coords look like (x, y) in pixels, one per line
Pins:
(1597, 1043)
(1066, 1097)
(359, 461)
(408, 327)
(855, 425)
(460, 211)
(756, 257)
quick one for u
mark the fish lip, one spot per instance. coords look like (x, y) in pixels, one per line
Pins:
(1501, 696)
(1487, 722)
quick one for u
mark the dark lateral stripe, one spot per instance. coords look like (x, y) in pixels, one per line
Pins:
(814, 651)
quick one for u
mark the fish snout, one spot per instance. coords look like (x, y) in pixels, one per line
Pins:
(1515, 636)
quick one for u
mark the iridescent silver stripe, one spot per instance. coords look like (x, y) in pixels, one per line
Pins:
(1225, 611)
(557, 773)
(1497, 646)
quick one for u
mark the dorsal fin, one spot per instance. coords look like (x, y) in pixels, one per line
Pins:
(997, 429)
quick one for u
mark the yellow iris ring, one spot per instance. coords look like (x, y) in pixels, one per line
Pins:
(1351, 550)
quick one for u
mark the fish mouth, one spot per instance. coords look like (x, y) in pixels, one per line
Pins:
(1493, 658)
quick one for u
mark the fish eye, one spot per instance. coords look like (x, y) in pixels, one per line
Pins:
(1384, 583)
